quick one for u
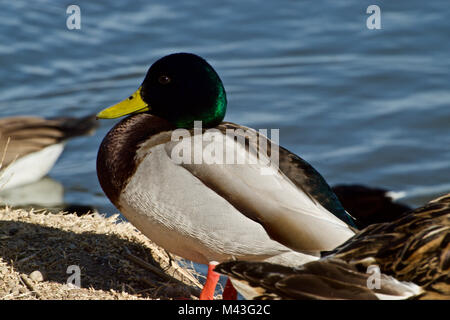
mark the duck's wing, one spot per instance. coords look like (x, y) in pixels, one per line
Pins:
(329, 279)
(407, 253)
(291, 215)
(415, 247)
(23, 135)
(308, 179)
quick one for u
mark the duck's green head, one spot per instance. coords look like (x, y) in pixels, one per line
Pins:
(181, 88)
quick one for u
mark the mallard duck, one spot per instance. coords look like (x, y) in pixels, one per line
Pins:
(411, 256)
(370, 205)
(30, 146)
(210, 211)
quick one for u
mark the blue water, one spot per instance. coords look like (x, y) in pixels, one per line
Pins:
(362, 106)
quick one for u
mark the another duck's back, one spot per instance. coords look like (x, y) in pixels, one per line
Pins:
(30, 145)
(369, 205)
(414, 249)
(23, 135)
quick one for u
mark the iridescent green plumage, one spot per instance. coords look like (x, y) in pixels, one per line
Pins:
(194, 91)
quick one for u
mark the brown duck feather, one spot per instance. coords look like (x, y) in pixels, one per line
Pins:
(415, 248)
(23, 135)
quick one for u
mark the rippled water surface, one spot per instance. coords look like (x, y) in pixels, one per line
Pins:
(362, 106)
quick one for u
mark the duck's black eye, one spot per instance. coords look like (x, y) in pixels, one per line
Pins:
(164, 79)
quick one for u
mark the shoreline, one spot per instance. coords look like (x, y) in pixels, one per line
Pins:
(40, 251)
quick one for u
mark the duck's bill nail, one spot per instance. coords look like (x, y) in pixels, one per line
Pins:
(132, 104)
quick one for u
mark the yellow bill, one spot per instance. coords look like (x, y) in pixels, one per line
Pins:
(133, 104)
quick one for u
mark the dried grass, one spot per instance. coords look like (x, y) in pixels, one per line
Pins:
(101, 247)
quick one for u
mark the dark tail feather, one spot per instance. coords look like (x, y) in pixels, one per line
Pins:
(73, 127)
(369, 205)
